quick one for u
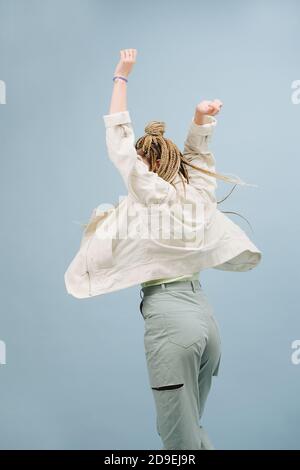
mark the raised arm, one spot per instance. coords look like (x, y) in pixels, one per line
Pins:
(196, 147)
(146, 186)
(118, 100)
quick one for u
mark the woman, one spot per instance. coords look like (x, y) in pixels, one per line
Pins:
(176, 192)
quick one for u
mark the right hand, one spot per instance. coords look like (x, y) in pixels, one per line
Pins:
(126, 63)
(209, 107)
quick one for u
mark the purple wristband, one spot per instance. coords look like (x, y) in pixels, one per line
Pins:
(118, 76)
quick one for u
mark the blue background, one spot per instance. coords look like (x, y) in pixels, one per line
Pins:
(76, 374)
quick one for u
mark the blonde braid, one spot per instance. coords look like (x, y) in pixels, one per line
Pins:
(156, 147)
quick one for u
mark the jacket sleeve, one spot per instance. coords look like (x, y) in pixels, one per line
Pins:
(144, 185)
(196, 150)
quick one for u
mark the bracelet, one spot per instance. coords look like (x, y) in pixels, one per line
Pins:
(118, 76)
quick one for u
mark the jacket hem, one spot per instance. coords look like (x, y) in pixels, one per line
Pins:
(221, 258)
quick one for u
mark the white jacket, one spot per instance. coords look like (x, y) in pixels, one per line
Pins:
(108, 260)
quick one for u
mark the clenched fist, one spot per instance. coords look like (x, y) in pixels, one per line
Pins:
(209, 107)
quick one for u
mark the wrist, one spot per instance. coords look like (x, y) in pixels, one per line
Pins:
(119, 80)
(199, 118)
(121, 74)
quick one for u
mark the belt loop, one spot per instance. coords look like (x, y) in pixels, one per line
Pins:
(163, 285)
(193, 286)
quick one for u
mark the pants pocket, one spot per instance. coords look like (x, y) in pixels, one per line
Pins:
(185, 328)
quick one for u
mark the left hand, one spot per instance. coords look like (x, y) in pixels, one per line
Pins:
(126, 63)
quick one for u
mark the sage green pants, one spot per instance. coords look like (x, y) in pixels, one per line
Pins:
(183, 351)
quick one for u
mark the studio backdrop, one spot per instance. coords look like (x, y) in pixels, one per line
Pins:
(72, 371)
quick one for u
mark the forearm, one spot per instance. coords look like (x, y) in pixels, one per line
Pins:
(196, 151)
(119, 97)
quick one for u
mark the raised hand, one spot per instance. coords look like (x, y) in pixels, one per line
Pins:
(210, 108)
(126, 62)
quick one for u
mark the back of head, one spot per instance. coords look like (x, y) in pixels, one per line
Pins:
(158, 149)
